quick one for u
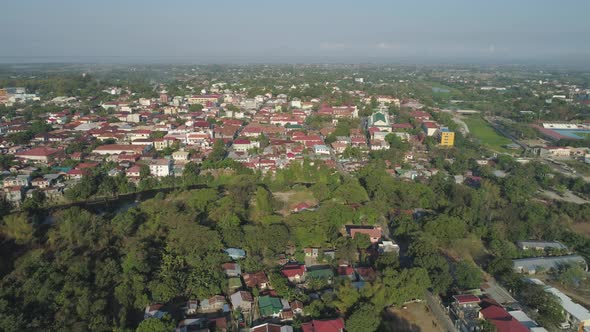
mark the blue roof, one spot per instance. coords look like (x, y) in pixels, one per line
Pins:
(235, 252)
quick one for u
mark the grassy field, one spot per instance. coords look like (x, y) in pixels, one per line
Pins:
(486, 134)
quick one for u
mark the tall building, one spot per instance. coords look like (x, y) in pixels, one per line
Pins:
(446, 137)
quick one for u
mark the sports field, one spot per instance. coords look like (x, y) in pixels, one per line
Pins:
(486, 134)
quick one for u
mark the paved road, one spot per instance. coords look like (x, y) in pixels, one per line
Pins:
(439, 312)
(498, 293)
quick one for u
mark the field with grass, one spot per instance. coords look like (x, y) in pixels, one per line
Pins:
(487, 135)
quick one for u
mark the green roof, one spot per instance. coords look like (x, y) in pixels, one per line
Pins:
(319, 274)
(235, 283)
(269, 306)
(378, 116)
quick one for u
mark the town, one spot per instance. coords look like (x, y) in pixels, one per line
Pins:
(286, 198)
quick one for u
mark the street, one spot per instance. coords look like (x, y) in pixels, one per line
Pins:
(439, 312)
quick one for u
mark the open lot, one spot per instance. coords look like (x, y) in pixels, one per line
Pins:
(486, 134)
(294, 197)
(415, 318)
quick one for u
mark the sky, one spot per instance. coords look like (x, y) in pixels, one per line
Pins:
(296, 31)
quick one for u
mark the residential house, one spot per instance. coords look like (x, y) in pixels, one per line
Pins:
(269, 306)
(232, 269)
(499, 317)
(374, 232)
(256, 280)
(242, 300)
(42, 155)
(235, 253)
(328, 325)
(270, 327)
(154, 311)
(294, 272)
(243, 145)
(215, 303)
(321, 149)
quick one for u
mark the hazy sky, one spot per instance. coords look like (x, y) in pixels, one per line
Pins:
(224, 29)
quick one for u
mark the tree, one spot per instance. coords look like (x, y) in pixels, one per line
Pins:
(468, 275)
(218, 153)
(18, 228)
(166, 324)
(366, 318)
(195, 107)
(396, 143)
(346, 296)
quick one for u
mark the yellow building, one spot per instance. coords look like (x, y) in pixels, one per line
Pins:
(446, 138)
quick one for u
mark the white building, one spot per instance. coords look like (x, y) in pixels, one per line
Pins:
(160, 167)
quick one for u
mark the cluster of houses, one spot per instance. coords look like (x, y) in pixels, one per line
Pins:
(251, 301)
(264, 133)
(497, 307)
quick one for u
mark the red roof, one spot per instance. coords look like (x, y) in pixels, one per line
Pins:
(38, 152)
(345, 270)
(331, 325)
(498, 316)
(241, 141)
(291, 271)
(466, 298)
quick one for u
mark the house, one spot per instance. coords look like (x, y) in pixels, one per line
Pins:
(154, 311)
(43, 155)
(329, 325)
(270, 327)
(374, 232)
(499, 317)
(243, 145)
(160, 167)
(575, 315)
(555, 152)
(430, 128)
(321, 149)
(269, 306)
(242, 300)
(213, 304)
(365, 273)
(388, 246)
(14, 194)
(232, 269)
(256, 280)
(234, 284)
(112, 149)
(235, 253)
(540, 245)
(346, 271)
(192, 306)
(545, 264)
(297, 307)
(311, 252)
(302, 207)
(180, 155)
(525, 320)
(133, 171)
(193, 324)
(13, 181)
(294, 272)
